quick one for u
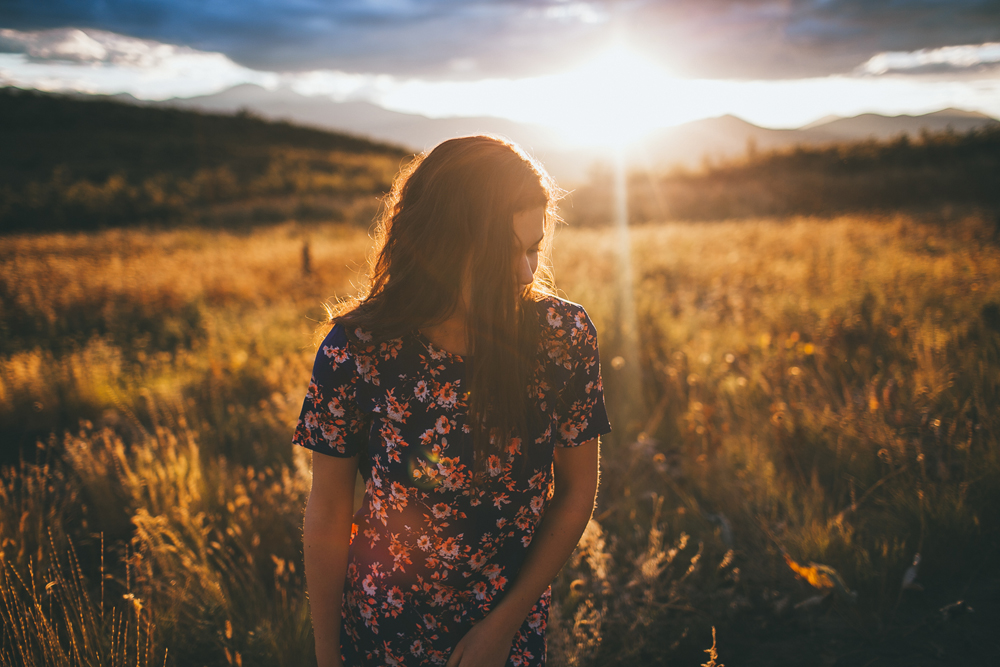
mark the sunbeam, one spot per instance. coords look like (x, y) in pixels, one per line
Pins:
(628, 329)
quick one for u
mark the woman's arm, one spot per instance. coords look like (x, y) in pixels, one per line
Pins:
(326, 538)
(488, 643)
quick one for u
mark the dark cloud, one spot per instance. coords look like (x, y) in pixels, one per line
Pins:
(448, 38)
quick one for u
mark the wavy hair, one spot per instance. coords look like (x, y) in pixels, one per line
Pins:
(448, 220)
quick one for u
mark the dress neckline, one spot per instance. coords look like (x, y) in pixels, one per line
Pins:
(433, 348)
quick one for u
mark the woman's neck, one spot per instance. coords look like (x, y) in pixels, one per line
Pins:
(450, 335)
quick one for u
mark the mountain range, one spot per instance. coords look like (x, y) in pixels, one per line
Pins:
(689, 145)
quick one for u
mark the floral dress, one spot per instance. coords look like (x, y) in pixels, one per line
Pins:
(430, 553)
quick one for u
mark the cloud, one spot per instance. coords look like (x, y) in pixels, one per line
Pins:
(72, 45)
(965, 57)
(95, 47)
(472, 39)
(401, 37)
(96, 61)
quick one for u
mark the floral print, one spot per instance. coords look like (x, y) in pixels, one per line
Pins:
(432, 553)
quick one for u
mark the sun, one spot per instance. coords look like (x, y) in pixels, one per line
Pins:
(608, 101)
(613, 99)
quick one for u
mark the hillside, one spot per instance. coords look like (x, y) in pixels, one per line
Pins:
(86, 162)
(916, 175)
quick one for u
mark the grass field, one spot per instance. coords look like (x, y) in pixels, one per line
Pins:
(804, 392)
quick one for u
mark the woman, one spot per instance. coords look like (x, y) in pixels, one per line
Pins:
(471, 398)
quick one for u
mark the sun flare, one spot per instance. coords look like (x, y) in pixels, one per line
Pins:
(613, 99)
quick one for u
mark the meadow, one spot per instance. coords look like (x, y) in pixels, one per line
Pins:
(802, 400)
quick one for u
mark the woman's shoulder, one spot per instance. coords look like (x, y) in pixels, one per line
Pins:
(369, 364)
(355, 341)
(556, 313)
(567, 335)
(355, 346)
(335, 344)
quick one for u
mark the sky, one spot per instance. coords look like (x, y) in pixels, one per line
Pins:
(601, 69)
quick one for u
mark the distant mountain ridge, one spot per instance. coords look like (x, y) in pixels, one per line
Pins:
(877, 126)
(687, 145)
(712, 139)
(365, 119)
(690, 145)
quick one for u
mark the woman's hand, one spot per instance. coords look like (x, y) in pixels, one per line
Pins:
(485, 645)
(488, 643)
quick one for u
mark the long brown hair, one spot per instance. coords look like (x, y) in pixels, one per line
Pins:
(448, 219)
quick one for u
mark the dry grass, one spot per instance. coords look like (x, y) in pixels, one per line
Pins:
(822, 389)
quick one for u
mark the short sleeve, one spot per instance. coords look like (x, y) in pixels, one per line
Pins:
(331, 422)
(582, 414)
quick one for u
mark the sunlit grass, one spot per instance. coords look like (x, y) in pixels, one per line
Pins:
(825, 389)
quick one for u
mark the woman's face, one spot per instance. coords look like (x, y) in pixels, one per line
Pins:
(529, 228)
